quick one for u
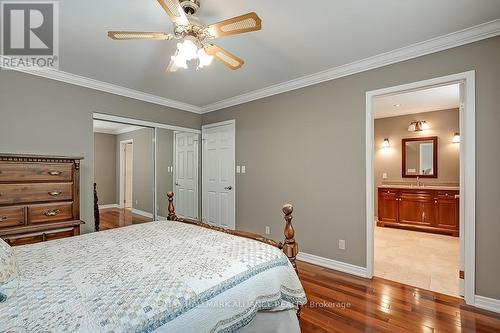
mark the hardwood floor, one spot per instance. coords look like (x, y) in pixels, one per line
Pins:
(341, 302)
(119, 217)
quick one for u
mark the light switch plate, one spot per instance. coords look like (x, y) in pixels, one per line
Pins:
(243, 169)
(342, 244)
(268, 230)
(238, 169)
(384, 175)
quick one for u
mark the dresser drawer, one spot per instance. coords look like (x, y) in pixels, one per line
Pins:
(50, 213)
(22, 193)
(31, 238)
(25, 172)
(11, 216)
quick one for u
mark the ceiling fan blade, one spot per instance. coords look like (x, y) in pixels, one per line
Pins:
(175, 11)
(236, 25)
(226, 57)
(127, 35)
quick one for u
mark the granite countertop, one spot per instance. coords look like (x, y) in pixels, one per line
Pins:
(424, 187)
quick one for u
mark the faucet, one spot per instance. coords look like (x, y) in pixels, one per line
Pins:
(418, 182)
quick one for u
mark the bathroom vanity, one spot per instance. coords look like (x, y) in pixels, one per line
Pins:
(423, 208)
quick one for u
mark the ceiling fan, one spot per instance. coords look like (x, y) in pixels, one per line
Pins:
(196, 36)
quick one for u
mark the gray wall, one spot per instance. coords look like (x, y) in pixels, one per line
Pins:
(164, 159)
(307, 147)
(105, 167)
(42, 116)
(142, 180)
(443, 124)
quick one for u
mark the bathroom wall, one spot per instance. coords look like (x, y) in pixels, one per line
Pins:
(443, 124)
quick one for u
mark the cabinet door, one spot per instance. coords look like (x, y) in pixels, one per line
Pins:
(416, 208)
(387, 205)
(447, 212)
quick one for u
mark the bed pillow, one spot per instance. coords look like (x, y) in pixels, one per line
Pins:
(8, 271)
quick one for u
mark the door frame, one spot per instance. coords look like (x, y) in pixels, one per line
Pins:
(121, 203)
(231, 122)
(174, 174)
(467, 166)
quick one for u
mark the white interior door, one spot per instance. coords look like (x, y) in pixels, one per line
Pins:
(186, 175)
(218, 188)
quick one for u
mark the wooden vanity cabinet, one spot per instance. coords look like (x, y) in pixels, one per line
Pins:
(419, 209)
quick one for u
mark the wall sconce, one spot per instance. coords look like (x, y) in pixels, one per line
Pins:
(417, 126)
(386, 143)
(456, 138)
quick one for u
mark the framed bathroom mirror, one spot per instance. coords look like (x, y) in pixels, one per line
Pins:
(419, 157)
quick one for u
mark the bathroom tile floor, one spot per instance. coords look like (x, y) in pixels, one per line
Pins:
(419, 259)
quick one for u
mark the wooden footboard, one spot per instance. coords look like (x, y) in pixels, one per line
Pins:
(290, 247)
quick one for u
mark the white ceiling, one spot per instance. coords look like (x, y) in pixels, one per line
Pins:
(299, 38)
(432, 99)
(109, 127)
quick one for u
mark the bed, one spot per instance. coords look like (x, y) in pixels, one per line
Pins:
(164, 276)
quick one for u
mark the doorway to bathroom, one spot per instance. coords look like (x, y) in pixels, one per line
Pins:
(420, 221)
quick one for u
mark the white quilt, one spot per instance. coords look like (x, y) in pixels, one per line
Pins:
(161, 275)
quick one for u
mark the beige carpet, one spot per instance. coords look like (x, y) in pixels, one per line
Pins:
(420, 259)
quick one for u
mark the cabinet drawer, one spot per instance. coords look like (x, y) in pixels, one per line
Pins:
(50, 213)
(38, 237)
(11, 216)
(16, 241)
(447, 195)
(416, 196)
(22, 193)
(25, 172)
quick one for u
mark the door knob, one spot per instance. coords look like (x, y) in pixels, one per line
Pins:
(177, 184)
(229, 188)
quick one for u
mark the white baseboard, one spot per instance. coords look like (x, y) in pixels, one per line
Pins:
(161, 218)
(486, 303)
(333, 264)
(109, 206)
(142, 213)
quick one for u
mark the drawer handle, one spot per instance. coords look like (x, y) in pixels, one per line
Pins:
(55, 173)
(3, 218)
(55, 193)
(51, 212)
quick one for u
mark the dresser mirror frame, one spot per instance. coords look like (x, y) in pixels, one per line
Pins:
(404, 170)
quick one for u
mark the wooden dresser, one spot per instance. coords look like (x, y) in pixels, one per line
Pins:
(39, 198)
(432, 210)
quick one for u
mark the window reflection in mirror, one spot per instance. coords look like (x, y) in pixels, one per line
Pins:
(420, 157)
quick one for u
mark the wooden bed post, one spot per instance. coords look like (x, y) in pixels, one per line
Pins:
(171, 209)
(290, 248)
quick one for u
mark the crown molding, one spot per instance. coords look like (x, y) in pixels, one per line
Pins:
(117, 131)
(462, 37)
(454, 39)
(82, 81)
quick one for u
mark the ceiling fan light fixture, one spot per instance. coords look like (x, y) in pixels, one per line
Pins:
(194, 35)
(203, 58)
(187, 49)
(179, 61)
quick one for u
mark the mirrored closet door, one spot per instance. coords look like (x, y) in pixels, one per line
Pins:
(136, 163)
